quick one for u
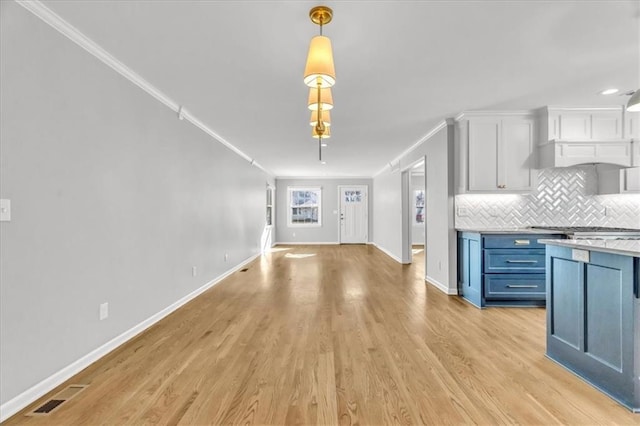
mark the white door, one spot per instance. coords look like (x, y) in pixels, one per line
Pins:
(354, 221)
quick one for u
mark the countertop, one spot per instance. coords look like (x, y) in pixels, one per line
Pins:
(509, 231)
(625, 247)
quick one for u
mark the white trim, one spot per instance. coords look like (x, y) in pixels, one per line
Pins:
(320, 177)
(298, 243)
(444, 288)
(423, 139)
(58, 23)
(29, 396)
(387, 252)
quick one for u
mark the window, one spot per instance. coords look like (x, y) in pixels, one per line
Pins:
(305, 206)
(269, 206)
(419, 206)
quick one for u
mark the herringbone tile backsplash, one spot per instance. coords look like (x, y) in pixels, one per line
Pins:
(563, 198)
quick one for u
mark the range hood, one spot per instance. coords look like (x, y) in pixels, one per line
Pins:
(567, 153)
(573, 136)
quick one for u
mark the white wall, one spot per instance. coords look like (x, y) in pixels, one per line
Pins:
(329, 232)
(387, 214)
(441, 256)
(113, 200)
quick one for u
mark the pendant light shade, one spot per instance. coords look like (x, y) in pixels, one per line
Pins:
(325, 96)
(325, 135)
(320, 68)
(326, 118)
(634, 102)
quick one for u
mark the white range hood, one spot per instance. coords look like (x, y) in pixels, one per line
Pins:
(572, 136)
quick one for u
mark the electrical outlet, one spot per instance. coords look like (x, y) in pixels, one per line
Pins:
(194, 271)
(294, 234)
(104, 311)
(5, 210)
(226, 257)
(463, 212)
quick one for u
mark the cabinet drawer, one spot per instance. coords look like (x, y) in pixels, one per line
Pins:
(520, 241)
(514, 286)
(514, 261)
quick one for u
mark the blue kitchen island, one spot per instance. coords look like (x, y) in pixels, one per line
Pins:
(593, 313)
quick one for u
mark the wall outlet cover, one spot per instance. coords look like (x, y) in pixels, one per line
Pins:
(5, 210)
(104, 311)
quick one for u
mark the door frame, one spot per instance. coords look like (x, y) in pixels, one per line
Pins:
(407, 210)
(366, 197)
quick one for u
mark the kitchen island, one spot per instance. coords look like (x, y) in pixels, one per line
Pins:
(593, 313)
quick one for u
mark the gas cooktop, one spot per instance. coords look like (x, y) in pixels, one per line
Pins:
(593, 231)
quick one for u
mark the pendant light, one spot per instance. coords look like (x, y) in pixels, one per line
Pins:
(326, 99)
(320, 76)
(320, 70)
(326, 118)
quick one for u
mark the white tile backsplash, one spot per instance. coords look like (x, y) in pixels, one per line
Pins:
(563, 198)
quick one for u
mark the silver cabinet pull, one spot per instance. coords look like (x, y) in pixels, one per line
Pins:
(522, 242)
(522, 261)
(521, 286)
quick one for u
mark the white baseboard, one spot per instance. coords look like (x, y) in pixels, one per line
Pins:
(388, 253)
(298, 243)
(443, 288)
(27, 397)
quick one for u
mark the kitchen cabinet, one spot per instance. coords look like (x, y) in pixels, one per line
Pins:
(618, 181)
(581, 123)
(502, 269)
(496, 153)
(581, 135)
(593, 318)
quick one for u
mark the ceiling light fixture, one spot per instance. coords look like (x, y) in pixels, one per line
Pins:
(609, 91)
(320, 76)
(634, 103)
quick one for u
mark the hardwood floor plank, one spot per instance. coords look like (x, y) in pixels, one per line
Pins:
(334, 335)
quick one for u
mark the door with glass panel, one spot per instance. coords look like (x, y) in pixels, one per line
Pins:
(354, 214)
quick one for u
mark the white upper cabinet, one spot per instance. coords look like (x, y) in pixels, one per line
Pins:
(495, 152)
(581, 124)
(571, 136)
(618, 181)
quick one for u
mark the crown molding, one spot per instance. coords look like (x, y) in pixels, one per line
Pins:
(321, 177)
(395, 163)
(72, 33)
(480, 113)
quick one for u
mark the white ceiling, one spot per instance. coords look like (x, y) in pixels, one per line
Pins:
(402, 66)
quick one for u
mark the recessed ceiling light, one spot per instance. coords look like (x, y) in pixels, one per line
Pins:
(323, 162)
(609, 91)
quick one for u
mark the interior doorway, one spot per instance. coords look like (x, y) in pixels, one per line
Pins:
(414, 229)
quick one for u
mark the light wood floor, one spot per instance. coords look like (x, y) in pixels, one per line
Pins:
(344, 336)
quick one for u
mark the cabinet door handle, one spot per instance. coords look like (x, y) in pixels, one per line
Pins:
(522, 261)
(521, 286)
(522, 242)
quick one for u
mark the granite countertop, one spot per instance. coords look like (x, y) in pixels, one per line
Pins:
(625, 247)
(509, 230)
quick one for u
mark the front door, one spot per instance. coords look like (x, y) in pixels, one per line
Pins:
(354, 214)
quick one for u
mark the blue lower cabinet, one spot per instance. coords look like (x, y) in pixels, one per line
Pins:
(502, 269)
(593, 320)
(514, 287)
(470, 267)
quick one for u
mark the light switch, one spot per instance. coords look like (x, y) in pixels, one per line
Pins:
(5, 210)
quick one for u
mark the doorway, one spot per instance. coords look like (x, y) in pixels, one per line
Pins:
(354, 214)
(414, 230)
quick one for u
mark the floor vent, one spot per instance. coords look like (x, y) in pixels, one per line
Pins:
(244, 270)
(60, 398)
